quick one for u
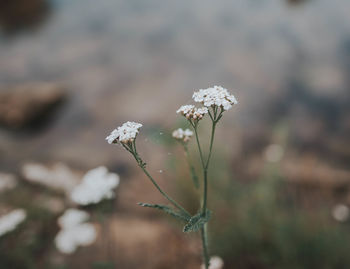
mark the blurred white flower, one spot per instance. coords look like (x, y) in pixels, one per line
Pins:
(72, 217)
(183, 135)
(341, 212)
(215, 263)
(10, 221)
(68, 240)
(192, 112)
(125, 133)
(215, 96)
(96, 185)
(57, 176)
(74, 232)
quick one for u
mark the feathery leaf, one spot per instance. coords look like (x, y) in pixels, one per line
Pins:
(197, 222)
(177, 214)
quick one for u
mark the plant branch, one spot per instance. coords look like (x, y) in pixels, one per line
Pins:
(199, 145)
(205, 247)
(192, 169)
(142, 165)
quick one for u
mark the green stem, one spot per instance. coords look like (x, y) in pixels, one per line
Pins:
(192, 169)
(205, 247)
(163, 193)
(199, 146)
(205, 169)
(142, 165)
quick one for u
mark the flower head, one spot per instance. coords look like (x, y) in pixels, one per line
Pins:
(183, 135)
(185, 110)
(125, 133)
(74, 232)
(96, 185)
(215, 96)
(10, 221)
(192, 112)
(72, 217)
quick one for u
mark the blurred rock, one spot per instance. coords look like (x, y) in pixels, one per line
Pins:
(16, 15)
(23, 105)
(7, 182)
(57, 176)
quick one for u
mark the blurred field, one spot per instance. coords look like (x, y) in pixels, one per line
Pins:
(71, 71)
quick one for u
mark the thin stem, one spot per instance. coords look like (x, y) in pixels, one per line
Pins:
(199, 146)
(215, 117)
(205, 247)
(192, 169)
(142, 165)
(163, 193)
(205, 169)
(211, 143)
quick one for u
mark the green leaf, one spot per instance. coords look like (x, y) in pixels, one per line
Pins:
(197, 222)
(177, 214)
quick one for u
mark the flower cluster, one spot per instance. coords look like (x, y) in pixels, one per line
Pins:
(215, 96)
(74, 232)
(96, 185)
(192, 112)
(125, 133)
(183, 135)
(214, 102)
(10, 221)
(72, 217)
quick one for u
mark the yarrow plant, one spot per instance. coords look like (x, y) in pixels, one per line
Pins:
(215, 101)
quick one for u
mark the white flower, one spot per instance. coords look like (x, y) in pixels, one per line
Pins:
(215, 96)
(72, 217)
(74, 232)
(184, 110)
(96, 185)
(200, 112)
(10, 221)
(181, 134)
(68, 240)
(58, 176)
(215, 263)
(192, 112)
(125, 133)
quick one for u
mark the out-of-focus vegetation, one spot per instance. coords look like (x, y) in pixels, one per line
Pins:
(266, 223)
(260, 225)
